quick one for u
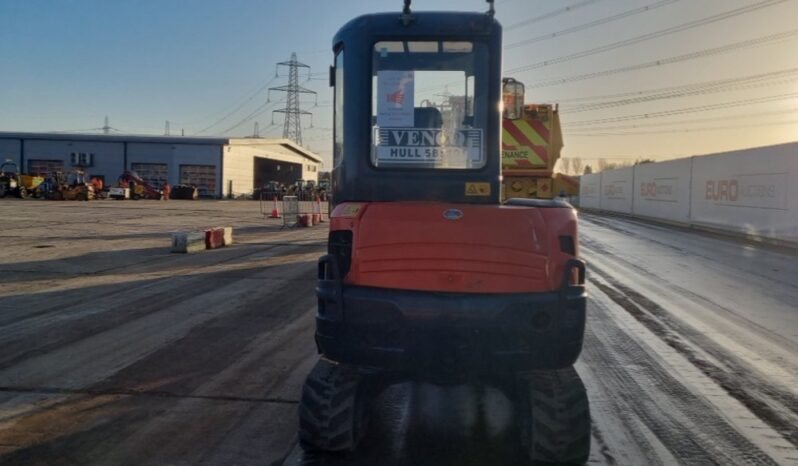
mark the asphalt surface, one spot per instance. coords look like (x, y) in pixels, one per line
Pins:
(114, 351)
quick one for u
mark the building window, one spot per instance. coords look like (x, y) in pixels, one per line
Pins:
(203, 177)
(81, 159)
(154, 174)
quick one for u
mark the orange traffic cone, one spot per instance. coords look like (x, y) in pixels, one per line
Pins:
(275, 212)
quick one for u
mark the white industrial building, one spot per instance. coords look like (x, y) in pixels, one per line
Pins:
(218, 167)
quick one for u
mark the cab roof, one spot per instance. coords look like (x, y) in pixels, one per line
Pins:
(423, 24)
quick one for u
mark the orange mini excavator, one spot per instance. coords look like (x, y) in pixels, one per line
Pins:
(429, 274)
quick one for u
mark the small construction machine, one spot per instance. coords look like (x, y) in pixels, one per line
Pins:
(137, 188)
(9, 179)
(68, 186)
(429, 275)
(15, 183)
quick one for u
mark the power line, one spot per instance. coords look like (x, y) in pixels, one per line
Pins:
(754, 84)
(682, 111)
(687, 130)
(238, 107)
(746, 116)
(255, 113)
(649, 36)
(719, 82)
(598, 22)
(680, 95)
(551, 14)
(667, 61)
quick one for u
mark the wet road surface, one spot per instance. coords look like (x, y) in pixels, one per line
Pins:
(690, 357)
(113, 351)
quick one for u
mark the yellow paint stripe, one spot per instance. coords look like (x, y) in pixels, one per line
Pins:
(508, 139)
(530, 133)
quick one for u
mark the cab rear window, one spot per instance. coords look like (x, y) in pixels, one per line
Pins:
(427, 108)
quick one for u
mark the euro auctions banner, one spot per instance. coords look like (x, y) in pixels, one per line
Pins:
(589, 190)
(753, 191)
(662, 190)
(617, 189)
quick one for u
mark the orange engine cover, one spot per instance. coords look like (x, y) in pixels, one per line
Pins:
(456, 247)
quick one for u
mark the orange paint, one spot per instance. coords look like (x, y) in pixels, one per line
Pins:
(489, 249)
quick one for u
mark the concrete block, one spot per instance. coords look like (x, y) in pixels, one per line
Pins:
(186, 242)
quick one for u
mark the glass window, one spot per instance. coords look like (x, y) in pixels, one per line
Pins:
(338, 130)
(422, 47)
(424, 110)
(389, 47)
(457, 47)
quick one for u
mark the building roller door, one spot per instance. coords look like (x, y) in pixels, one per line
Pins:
(154, 174)
(45, 167)
(203, 177)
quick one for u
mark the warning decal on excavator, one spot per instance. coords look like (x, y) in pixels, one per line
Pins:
(477, 189)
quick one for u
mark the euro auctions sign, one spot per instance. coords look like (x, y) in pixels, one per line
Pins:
(768, 191)
(461, 148)
(659, 189)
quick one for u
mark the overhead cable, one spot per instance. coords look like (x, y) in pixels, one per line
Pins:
(676, 59)
(719, 82)
(257, 112)
(649, 36)
(598, 22)
(238, 107)
(682, 111)
(753, 84)
(688, 130)
(551, 14)
(744, 116)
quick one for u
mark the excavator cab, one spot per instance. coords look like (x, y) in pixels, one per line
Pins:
(429, 276)
(416, 104)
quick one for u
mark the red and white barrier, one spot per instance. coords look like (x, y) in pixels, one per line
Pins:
(228, 236)
(304, 220)
(193, 241)
(214, 238)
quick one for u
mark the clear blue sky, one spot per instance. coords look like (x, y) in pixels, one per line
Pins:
(65, 64)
